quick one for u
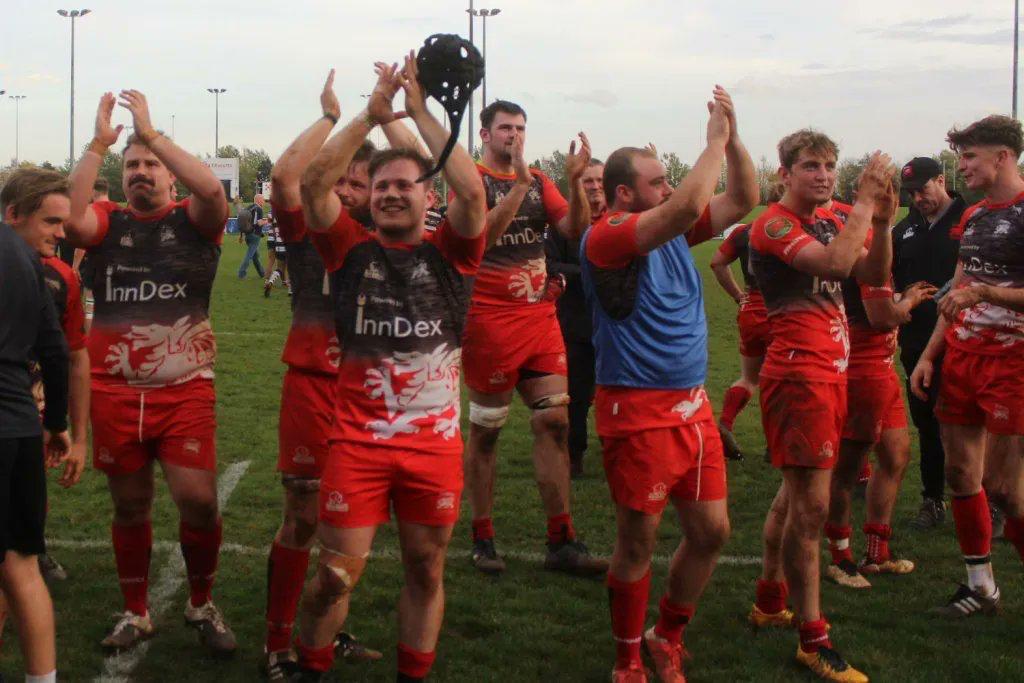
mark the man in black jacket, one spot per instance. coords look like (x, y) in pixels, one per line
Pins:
(924, 251)
(29, 329)
(563, 262)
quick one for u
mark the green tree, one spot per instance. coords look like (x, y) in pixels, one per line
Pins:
(847, 173)
(675, 169)
(554, 167)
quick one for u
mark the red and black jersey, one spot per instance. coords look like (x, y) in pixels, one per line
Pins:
(991, 253)
(736, 247)
(399, 312)
(152, 279)
(872, 351)
(513, 272)
(841, 210)
(63, 284)
(312, 345)
(810, 339)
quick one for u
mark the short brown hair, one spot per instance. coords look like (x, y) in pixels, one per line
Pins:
(134, 139)
(805, 139)
(26, 189)
(774, 192)
(101, 185)
(364, 153)
(998, 130)
(619, 169)
(384, 157)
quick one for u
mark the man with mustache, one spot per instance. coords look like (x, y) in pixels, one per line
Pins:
(153, 350)
(400, 298)
(513, 341)
(799, 254)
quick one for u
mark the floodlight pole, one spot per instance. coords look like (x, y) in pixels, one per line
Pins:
(1016, 29)
(17, 126)
(217, 92)
(72, 14)
(469, 124)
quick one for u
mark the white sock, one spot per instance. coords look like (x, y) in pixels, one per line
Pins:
(980, 578)
(45, 678)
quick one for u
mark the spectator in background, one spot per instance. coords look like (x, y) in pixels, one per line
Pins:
(435, 211)
(924, 251)
(251, 222)
(563, 262)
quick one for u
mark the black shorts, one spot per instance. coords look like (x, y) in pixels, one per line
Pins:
(22, 496)
(271, 245)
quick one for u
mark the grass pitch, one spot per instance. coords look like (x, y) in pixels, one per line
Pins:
(528, 625)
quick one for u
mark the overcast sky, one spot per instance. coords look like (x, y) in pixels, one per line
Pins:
(873, 74)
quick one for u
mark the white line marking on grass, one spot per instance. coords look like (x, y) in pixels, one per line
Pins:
(118, 668)
(246, 334)
(384, 552)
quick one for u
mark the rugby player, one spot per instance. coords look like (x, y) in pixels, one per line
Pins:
(657, 430)
(399, 307)
(152, 352)
(312, 355)
(800, 253)
(980, 338)
(513, 341)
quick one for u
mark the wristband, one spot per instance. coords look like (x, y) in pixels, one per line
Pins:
(98, 148)
(331, 117)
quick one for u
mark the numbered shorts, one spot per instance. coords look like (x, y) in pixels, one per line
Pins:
(755, 333)
(873, 405)
(176, 425)
(362, 483)
(683, 463)
(982, 390)
(304, 425)
(802, 421)
(499, 346)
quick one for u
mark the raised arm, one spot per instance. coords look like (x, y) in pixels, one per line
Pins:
(838, 260)
(720, 266)
(578, 218)
(741, 189)
(678, 215)
(82, 225)
(467, 210)
(504, 212)
(208, 207)
(287, 171)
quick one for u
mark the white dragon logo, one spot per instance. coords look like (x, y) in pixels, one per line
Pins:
(174, 354)
(529, 282)
(688, 408)
(427, 386)
(837, 328)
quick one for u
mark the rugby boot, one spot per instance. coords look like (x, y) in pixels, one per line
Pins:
(214, 633)
(828, 664)
(572, 557)
(967, 602)
(634, 674)
(782, 619)
(931, 514)
(51, 569)
(278, 667)
(130, 630)
(485, 558)
(846, 574)
(667, 658)
(729, 443)
(893, 565)
(347, 647)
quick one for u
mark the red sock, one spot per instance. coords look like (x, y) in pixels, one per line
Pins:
(839, 542)
(629, 610)
(771, 596)
(286, 573)
(736, 399)
(973, 524)
(1013, 531)
(133, 546)
(483, 529)
(878, 536)
(315, 658)
(672, 619)
(814, 635)
(413, 663)
(560, 529)
(865, 471)
(200, 547)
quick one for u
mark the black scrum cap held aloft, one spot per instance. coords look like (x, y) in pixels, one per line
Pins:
(450, 68)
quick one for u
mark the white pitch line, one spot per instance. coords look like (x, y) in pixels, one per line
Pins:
(384, 552)
(247, 334)
(118, 668)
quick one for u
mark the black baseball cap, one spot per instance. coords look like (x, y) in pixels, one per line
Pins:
(919, 171)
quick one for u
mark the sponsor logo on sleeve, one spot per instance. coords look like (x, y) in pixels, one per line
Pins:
(618, 218)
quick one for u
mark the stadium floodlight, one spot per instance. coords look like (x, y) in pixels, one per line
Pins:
(217, 92)
(17, 125)
(72, 15)
(1016, 28)
(483, 14)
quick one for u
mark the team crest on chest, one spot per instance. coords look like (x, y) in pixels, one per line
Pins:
(127, 240)
(166, 234)
(778, 227)
(618, 219)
